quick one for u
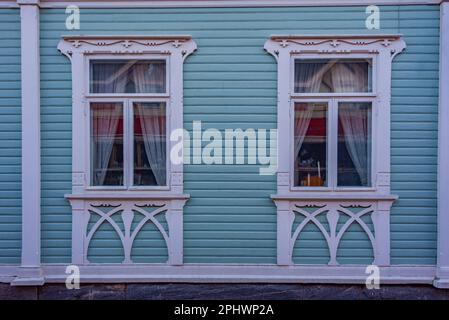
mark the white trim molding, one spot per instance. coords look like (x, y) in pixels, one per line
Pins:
(375, 201)
(213, 273)
(213, 3)
(333, 208)
(87, 201)
(128, 207)
(217, 3)
(442, 280)
(30, 272)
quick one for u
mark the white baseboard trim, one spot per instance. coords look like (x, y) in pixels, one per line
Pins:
(442, 278)
(209, 273)
(8, 273)
(28, 276)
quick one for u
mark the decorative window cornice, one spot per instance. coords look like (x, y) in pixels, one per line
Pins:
(126, 45)
(393, 44)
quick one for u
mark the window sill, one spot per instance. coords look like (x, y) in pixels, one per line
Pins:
(121, 195)
(333, 196)
(132, 189)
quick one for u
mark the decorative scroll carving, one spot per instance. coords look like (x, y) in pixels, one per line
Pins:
(334, 210)
(336, 44)
(126, 45)
(128, 207)
(127, 210)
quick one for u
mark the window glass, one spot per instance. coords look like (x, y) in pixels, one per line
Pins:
(354, 144)
(332, 75)
(106, 144)
(127, 76)
(310, 140)
(149, 143)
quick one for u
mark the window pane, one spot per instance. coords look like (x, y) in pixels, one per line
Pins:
(149, 144)
(333, 75)
(127, 76)
(354, 144)
(310, 132)
(106, 144)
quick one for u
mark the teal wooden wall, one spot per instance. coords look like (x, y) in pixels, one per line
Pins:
(230, 82)
(10, 137)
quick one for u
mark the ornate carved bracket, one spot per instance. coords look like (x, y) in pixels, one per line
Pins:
(336, 44)
(126, 45)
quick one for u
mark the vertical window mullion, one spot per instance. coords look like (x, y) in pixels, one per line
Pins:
(333, 143)
(128, 144)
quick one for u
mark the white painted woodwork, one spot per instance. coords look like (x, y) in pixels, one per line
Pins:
(442, 280)
(30, 272)
(86, 200)
(210, 273)
(375, 201)
(215, 3)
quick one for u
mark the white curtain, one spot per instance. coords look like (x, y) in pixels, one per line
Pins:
(352, 77)
(106, 118)
(303, 115)
(109, 78)
(152, 122)
(349, 77)
(309, 76)
(149, 77)
(308, 79)
(355, 120)
(113, 77)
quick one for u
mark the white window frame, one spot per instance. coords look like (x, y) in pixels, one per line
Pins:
(127, 100)
(82, 50)
(149, 56)
(332, 99)
(128, 144)
(331, 143)
(374, 65)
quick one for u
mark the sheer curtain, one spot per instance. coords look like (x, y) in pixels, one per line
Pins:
(106, 118)
(355, 121)
(152, 122)
(114, 76)
(308, 76)
(303, 115)
(149, 77)
(347, 77)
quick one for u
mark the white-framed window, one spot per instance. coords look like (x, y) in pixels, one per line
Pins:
(333, 120)
(128, 123)
(127, 99)
(334, 94)
(333, 101)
